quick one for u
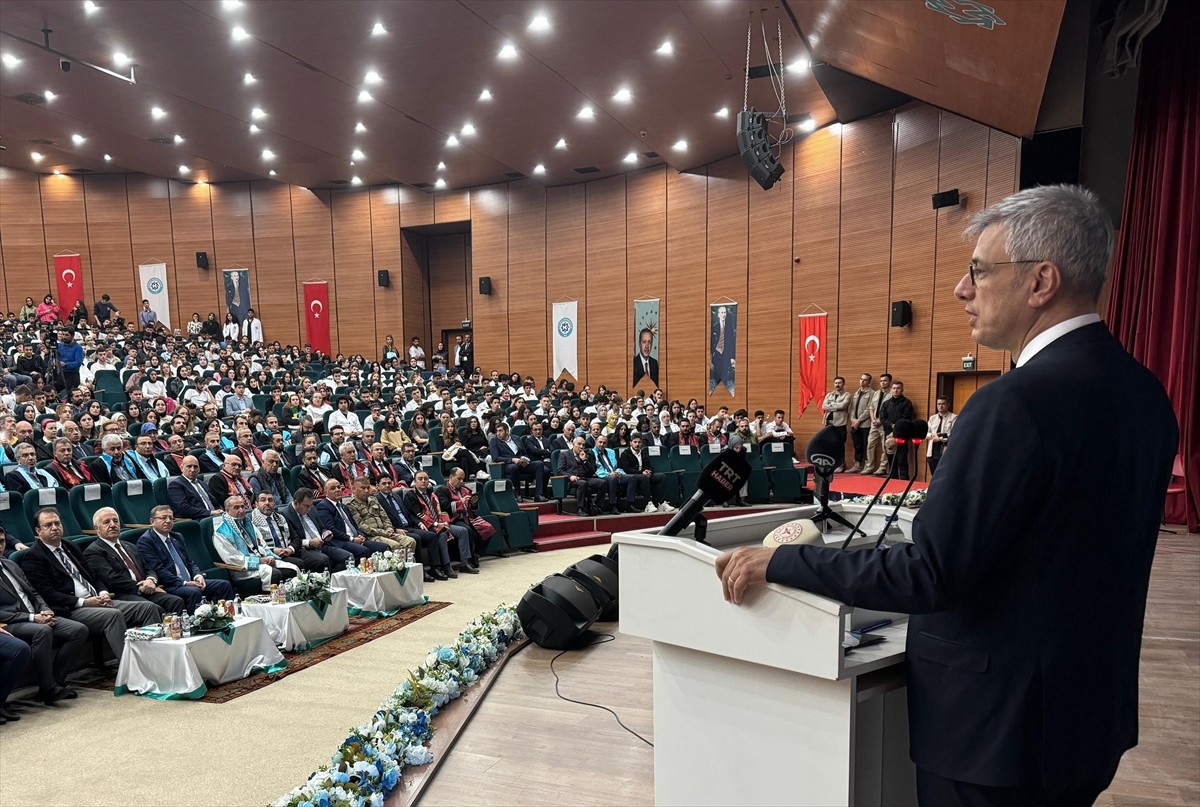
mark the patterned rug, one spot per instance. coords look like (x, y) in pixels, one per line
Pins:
(361, 631)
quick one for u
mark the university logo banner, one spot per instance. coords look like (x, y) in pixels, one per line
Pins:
(70, 282)
(812, 358)
(237, 293)
(565, 323)
(153, 278)
(647, 344)
(316, 314)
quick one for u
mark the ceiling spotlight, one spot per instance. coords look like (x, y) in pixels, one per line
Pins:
(623, 95)
(357, 155)
(50, 96)
(800, 66)
(680, 145)
(258, 113)
(360, 127)
(249, 79)
(441, 167)
(814, 39)
(157, 112)
(239, 33)
(271, 172)
(808, 125)
(107, 158)
(363, 95)
(183, 169)
(561, 144)
(451, 141)
(36, 156)
(468, 129)
(631, 157)
(441, 183)
(90, 7)
(178, 139)
(372, 77)
(267, 154)
(378, 30)
(539, 169)
(587, 113)
(230, 5)
(254, 128)
(539, 23)
(57, 172)
(10, 60)
(723, 112)
(508, 51)
(78, 139)
(486, 95)
(665, 49)
(355, 181)
(120, 59)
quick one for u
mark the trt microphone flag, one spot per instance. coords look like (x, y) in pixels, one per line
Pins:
(812, 358)
(153, 278)
(70, 282)
(565, 324)
(316, 314)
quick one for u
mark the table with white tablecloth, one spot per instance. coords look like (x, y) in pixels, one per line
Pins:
(302, 625)
(175, 669)
(382, 593)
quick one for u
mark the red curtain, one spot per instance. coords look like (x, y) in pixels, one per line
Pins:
(1154, 306)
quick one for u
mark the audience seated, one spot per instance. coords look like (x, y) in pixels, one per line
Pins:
(166, 555)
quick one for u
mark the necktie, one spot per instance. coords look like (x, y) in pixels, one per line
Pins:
(73, 570)
(121, 471)
(203, 496)
(310, 529)
(148, 468)
(180, 567)
(128, 562)
(274, 531)
(721, 341)
(604, 459)
(346, 519)
(34, 482)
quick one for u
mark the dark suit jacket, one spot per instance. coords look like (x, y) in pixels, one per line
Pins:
(158, 560)
(107, 567)
(172, 463)
(11, 608)
(45, 451)
(533, 450)
(501, 451)
(15, 481)
(638, 372)
(51, 580)
(397, 513)
(210, 466)
(295, 529)
(80, 470)
(315, 481)
(628, 463)
(569, 465)
(100, 471)
(1027, 591)
(326, 514)
(220, 489)
(184, 500)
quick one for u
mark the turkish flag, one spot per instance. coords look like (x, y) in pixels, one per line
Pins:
(70, 282)
(812, 358)
(316, 314)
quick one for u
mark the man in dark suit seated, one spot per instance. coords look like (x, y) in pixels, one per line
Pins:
(212, 459)
(579, 467)
(15, 657)
(189, 497)
(27, 476)
(68, 471)
(391, 499)
(166, 555)
(407, 466)
(56, 570)
(277, 535)
(537, 446)
(333, 515)
(111, 466)
(1027, 593)
(312, 475)
(177, 450)
(307, 535)
(517, 466)
(57, 643)
(651, 486)
(118, 565)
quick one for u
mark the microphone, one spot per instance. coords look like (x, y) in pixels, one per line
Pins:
(902, 431)
(825, 452)
(719, 481)
(920, 432)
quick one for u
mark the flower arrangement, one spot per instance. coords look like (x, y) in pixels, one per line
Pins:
(210, 617)
(367, 767)
(915, 498)
(313, 586)
(388, 561)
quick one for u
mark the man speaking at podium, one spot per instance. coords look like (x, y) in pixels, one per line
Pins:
(1027, 575)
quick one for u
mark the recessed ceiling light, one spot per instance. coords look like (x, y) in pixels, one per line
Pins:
(540, 23)
(441, 183)
(107, 158)
(57, 172)
(372, 77)
(539, 169)
(378, 30)
(254, 128)
(157, 112)
(814, 39)
(249, 79)
(800, 66)
(50, 96)
(258, 113)
(631, 157)
(239, 33)
(357, 155)
(78, 139)
(468, 129)
(451, 141)
(680, 145)
(355, 181)
(665, 49)
(561, 144)
(267, 154)
(178, 139)
(183, 169)
(623, 95)
(587, 113)
(36, 156)
(808, 125)
(363, 95)
(486, 95)
(10, 60)
(271, 172)
(120, 59)
(90, 7)
(360, 127)
(441, 167)
(723, 112)
(508, 51)
(231, 4)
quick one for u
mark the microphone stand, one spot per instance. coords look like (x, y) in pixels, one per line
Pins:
(891, 519)
(825, 514)
(873, 502)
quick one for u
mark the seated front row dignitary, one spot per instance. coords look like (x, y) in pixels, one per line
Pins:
(421, 501)
(391, 499)
(273, 528)
(57, 643)
(56, 569)
(345, 534)
(119, 567)
(372, 520)
(651, 485)
(578, 465)
(188, 495)
(15, 657)
(164, 551)
(306, 533)
(239, 544)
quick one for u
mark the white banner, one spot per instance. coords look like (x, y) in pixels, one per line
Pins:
(565, 325)
(154, 289)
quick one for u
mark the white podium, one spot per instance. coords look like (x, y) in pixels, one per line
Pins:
(758, 704)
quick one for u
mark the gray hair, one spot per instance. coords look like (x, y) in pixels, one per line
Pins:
(270, 453)
(1064, 224)
(99, 514)
(232, 500)
(111, 441)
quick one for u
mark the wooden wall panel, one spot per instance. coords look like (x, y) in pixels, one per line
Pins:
(275, 262)
(566, 260)
(312, 239)
(416, 207)
(1003, 179)
(192, 232)
(528, 317)
(149, 209)
(452, 206)
(685, 313)
(766, 349)
(646, 228)
(489, 258)
(728, 264)
(113, 272)
(385, 255)
(233, 237)
(28, 269)
(608, 306)
(64, 223)
(353, 266)
(449, 284)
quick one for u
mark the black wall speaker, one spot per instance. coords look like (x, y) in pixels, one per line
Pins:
(385, 279)
(557, 612)
(485, 285)
(598, 574)
(756, 149)
(901, 314)
(946, 199)
(201, 260)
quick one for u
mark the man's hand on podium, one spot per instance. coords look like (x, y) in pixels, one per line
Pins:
(741, 569)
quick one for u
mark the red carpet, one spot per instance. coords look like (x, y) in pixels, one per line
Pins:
(859, 485)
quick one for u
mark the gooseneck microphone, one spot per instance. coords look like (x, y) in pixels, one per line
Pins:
(902, 431)
(920, 432)
(719, 481)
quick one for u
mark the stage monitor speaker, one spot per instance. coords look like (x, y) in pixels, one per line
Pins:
(385, 279)
(946, 199)
(557, 612)
(901, 314)
(201, 260)
(485, 285)
(755, 148)
(598, 574)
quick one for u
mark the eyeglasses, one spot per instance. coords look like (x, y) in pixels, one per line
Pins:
(976, 272)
